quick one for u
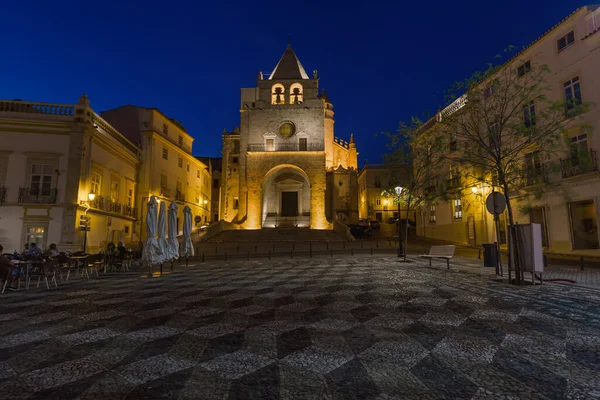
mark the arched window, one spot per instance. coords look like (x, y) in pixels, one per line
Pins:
(278, 94)
(296, 96)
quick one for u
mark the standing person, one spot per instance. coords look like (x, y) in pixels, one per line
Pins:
(6, 270)
(34, 250)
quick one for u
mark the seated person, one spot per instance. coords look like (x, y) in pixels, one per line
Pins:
(6, 270)
(121, 250)
(34, 250)
(52, 251)
(110, 249)
(26, 250)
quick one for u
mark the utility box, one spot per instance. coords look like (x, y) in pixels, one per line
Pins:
(529, 241)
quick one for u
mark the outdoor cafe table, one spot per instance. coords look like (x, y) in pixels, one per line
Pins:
(26, 265)
(78, 260)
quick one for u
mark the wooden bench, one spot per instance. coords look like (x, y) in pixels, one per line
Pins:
(445, 252)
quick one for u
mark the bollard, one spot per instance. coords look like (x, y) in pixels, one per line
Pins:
(292, 254)
(216, 249)
(248, 257)
(344, 244)
(371, 250)
(327, 243)
(361, 244)
(269, 254)
(255, 248)
(225, 256)
(331, 252)
(545, 261)
(581, 262)
(293, 246)
(352, 251)
(202, 257)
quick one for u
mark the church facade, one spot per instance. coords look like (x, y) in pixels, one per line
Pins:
(283, 166)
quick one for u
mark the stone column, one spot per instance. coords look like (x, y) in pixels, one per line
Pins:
(318, 219)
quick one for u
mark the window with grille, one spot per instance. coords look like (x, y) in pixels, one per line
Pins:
(180, 141)
(378, 201)
(236, 203)
(114, 191)
(40, 182)
(188, 168)
(165, 153)
(165, 129)
(130, 197)
(180, 162)
(198, 173)
(302, 144)
(432, 214)
(565, 41)
(457, 208)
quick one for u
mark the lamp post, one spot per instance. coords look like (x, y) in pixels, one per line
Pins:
(91, 197)
(398, 190)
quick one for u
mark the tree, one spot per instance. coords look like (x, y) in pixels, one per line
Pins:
(413, 164)
(504, 129)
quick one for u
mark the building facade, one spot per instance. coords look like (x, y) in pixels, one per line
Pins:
(568, 211)
(168, 170)
(214, 166)
(52, 156)
(376, 203)
(283, 166)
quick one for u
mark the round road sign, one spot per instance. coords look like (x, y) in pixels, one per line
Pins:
(495, 203)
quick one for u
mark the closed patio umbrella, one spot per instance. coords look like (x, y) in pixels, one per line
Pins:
(152, 253)
(172, 241)
(161, 230)
(187, 248)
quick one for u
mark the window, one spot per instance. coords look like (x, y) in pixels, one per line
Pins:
(130, 197)
(287, 129)
(126, 228)
(236, 203)
(302, 144)
(572, 96)
(165, 153)
(114, 191)
(188, 168)
(494, 135)
(198, 173)
(579, 149)
(533, 168)
(565, 41)
(180, 141)
(378, 201)
(96, 183)
(278, 94)
(165, 129)
(457, 208)
(270, 144)
(453, 144)
(215, 183)
(180, 162)
(163, 184)
(592, 22)
(35, 234)
(529, 114)
(234, 160)
(296, 94)
(236, 147)
(524, 68)
(40, 183)
(432, 214)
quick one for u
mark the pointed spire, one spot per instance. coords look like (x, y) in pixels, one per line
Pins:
(323, 96)
(289, 67)
(352, 144)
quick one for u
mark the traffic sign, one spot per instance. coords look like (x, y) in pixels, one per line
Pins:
(495, 203)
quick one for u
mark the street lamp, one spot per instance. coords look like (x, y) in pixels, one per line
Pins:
(91, 197)
(398, 190)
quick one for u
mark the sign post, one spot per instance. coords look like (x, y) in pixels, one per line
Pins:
(496, 204)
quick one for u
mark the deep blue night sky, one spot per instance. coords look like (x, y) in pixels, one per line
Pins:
(380, 62)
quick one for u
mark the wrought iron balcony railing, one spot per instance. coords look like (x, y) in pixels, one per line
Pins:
(179, 196)
(532, 177)
(104, 204)
(584, 162)
(259, 147)
(37, 195)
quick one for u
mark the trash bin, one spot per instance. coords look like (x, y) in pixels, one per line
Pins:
(490, 255)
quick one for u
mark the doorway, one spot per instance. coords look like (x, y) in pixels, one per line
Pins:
(289, 204)
(584, 225)
(538, 216)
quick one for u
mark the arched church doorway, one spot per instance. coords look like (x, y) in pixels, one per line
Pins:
(286, 198)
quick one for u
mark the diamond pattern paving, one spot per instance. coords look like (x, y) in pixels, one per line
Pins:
(345, 328)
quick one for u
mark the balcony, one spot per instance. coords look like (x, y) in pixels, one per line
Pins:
(113, 207)
(584, 162)
(263, 147)
(2, 195)
(179, 196)
(37, 195)
(532, 177)
(164, 192)
(453, 183)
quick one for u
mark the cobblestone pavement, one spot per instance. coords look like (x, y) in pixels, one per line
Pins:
(341, 328)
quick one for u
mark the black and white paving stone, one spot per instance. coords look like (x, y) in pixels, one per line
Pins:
(338, 328)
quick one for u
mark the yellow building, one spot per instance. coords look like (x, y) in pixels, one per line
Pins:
(169, 171)
(51, 157)
(569, 211)
(283, 166)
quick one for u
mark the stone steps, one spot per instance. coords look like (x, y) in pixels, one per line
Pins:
(277, 235)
